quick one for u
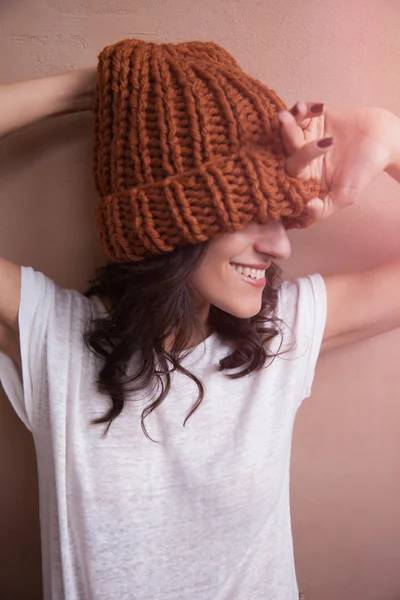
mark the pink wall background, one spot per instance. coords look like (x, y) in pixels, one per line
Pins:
(346, 468)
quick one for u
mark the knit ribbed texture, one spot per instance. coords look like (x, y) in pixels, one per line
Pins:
(187, 146)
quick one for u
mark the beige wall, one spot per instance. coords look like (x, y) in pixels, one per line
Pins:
(346, 468)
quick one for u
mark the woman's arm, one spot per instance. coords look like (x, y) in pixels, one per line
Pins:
(25, 102)
(366, 142)
(362, 305)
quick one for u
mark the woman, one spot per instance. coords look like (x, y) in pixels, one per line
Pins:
(162, 402)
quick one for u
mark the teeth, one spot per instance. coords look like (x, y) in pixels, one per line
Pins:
(247, 272)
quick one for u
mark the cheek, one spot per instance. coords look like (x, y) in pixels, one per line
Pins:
(220, 286)
(209, 280)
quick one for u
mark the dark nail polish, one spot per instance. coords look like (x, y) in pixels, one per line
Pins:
(325, 142)
(294, 110)
(317, 108)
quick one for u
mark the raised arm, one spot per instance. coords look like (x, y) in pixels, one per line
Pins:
(26, 102)
(366, 142)
(22, 104)
(362, 305)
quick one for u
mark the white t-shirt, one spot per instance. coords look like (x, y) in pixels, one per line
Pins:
(203, 514)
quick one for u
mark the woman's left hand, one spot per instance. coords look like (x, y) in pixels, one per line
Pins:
(358, 153)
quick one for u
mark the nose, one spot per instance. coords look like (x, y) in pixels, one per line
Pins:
(273, 240)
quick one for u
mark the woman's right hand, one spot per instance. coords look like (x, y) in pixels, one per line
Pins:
(82, 87)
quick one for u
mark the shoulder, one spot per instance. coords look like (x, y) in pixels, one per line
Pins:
(297, 297)
(47, 304)
(301, 311)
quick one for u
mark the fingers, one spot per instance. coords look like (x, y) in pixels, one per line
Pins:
(298, 162)
(292, 135)
(297, 127)
(321, 209)
(301, 116)
(306, 110)
(316, 209)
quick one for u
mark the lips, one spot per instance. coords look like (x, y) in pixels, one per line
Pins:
(254, 277)
(260, 266)
(251, 272)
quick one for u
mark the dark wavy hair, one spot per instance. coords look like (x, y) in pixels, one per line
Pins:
(151, 303)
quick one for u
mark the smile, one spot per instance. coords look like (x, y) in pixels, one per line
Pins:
(249, 272)
(254, 276)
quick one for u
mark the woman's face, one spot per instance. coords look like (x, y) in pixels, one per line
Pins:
(231, 274)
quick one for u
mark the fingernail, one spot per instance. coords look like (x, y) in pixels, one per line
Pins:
(325, 142)
(294, 110)
(317, 108)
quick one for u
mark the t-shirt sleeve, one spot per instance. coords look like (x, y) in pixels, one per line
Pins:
(302, 308)
(50, 318)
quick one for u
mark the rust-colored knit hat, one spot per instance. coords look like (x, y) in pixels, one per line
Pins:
(187, 146)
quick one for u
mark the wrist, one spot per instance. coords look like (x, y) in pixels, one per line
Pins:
(74, 91)
(23, 103)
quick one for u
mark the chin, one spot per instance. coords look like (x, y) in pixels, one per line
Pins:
(242, 311)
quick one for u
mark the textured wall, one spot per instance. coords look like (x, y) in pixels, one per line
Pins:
(346, 474)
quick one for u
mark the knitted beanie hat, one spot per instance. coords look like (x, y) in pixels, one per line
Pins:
(187, 146)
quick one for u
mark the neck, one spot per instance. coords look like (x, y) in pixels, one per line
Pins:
(199, 335)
